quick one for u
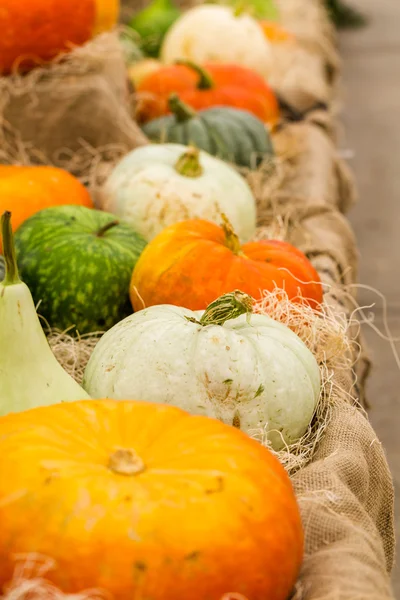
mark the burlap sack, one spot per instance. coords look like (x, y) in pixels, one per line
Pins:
(78, 104)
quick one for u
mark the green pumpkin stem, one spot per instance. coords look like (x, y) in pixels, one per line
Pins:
(231, 239)
(183, 112)
(188, 164)
(205, 81)
(12, 275)
(106, 228)
(229, 306)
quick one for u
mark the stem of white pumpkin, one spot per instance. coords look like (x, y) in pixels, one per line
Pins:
(188, 164)
(205, 81)
(183, 112)
(12, 275)
(231, 239)
(229, 306)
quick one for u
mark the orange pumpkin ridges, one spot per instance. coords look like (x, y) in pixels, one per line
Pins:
(35, 31)
(204, 87)
(114, 491)
(26, 190)
(194, 262)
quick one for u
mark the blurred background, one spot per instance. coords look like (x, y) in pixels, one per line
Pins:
(371, 97)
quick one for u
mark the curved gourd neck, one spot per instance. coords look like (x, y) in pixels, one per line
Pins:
(229, 306)
(182, 112)
(205, 81)
(12, 275)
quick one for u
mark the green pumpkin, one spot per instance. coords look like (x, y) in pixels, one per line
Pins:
(152, 23)
(2, 267)
(78, 263)
(229, 133)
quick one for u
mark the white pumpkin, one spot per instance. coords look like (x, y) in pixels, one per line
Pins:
(212, 33)
(249, 371)
(160, 184)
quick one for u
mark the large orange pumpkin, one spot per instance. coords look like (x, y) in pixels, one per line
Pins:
(38, 30)
(143, 500)
(207, 86)
(26, 190)
(192, 263)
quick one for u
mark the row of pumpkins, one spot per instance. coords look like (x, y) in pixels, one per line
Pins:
(125, 481)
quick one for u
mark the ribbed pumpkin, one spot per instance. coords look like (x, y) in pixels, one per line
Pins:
(206, 86)
(192, 263)
(26, 190)
(228, 133)
(34, 31)
(144, 501)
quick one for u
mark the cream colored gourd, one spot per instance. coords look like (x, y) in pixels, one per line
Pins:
(160, 184)
(30, 375)
(212, 33)
(245, 369)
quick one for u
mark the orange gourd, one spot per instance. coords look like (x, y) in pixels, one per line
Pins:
(192, 263)
(205, 87)
(26, 190)
(142, 500)
(34, 31)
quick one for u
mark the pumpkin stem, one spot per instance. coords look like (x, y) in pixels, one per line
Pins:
(205, 81)
(183, 112)
(231, 238)
(229, 306)
(188, 164)
(106, 227)
(12, 275)
(125, 461)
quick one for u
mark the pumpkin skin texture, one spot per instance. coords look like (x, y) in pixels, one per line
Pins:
(34, 31)
(230, 134)
(26, 190)
(160, 184)
(192, 263)
(207, 86)
(78, 263)
(250, 371)
(114, 492)
(211, 33)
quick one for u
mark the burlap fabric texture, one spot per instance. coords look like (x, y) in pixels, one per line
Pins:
(79, 103)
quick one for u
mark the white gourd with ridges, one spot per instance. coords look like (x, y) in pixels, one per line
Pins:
(160, 184)
(211, 33)
(250, 371)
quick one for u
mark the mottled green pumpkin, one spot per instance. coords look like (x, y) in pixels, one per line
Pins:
(229, 133)
(78, 262)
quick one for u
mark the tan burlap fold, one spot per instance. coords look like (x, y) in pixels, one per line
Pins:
(79, 103)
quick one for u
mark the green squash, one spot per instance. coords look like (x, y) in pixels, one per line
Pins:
(152, 23)
(78, 263)
(2, 267)
(229, 133)
(259, 9)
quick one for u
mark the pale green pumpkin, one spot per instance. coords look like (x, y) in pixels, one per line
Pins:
(158, 185)
(246, 370)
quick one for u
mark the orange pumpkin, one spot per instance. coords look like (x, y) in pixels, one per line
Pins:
(192, 263)
(276, 33)
(143, 500)
(204, 87)
(34, 31)
(26, 190)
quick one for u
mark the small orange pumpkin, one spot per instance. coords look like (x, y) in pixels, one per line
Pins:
(192, 263)
(276, 33)
(26, 190)
(142, 500)
(34, 31)
(204, 87)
